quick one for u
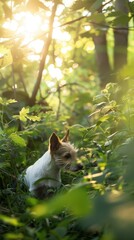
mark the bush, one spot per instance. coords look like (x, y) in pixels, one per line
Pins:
(93, 203)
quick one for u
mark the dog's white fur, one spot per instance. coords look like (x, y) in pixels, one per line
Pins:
(46, 170)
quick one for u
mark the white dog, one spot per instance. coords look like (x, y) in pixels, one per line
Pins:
(46, 172)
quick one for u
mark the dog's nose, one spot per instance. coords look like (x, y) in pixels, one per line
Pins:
(76, 167)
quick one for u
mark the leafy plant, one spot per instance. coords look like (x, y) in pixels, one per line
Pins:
(91, 201)
(49, 82)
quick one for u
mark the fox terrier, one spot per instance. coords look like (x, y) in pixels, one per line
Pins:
(45, 173)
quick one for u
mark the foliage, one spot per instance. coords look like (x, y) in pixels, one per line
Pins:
(49, 82)
(94, 202)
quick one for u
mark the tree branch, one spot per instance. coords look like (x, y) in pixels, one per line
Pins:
(44, 54)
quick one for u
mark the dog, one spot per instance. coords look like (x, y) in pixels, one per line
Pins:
(45, 173)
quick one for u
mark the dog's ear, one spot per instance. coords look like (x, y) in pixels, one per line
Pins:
(54, 142)
(66, 137)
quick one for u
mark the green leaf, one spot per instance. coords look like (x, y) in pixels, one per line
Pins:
(6, 102)
(14, 236)
(10, 220)
(77, 202)
(97, 17)
(90, 5)
(85, 4)
(121, 20)
(72, 201)
(5, 56)
(104, 118)
(17, 140)
(33, 118)
(23, 114)
(96, 5)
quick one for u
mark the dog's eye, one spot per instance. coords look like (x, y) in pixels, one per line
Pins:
(67, 155)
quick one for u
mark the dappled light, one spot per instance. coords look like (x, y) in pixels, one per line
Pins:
(67, 120)
(55, 73)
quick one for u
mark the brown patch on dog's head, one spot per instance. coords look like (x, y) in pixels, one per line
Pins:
(66, 137)
(54, 143)
(62, 151)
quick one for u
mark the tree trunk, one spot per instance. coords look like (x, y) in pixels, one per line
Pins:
(120, 37)
(102, 58)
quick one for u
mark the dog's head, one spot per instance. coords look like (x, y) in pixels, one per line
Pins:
(63, 153)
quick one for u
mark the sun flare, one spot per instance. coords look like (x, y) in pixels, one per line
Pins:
(31, 30)
(29, 26)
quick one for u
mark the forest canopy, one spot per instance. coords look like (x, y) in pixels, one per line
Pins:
(63, 40)
(68, 64)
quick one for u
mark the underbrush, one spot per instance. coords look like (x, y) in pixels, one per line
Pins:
(95, 202)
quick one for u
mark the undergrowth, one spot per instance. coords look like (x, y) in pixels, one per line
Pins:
(95, 202)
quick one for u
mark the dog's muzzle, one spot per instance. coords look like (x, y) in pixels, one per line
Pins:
(76, 167)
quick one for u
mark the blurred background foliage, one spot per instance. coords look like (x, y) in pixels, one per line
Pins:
(68, 64)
